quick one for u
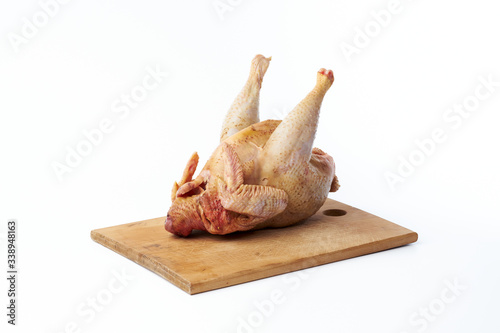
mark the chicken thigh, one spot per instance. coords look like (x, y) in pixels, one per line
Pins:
(262, 174)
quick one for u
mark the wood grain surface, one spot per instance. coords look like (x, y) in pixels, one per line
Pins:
(203, 262)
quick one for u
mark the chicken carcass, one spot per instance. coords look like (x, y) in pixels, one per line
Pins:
(263, 174)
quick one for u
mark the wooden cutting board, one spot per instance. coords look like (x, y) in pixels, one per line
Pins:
(203, 262)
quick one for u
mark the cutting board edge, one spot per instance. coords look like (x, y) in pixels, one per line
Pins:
(145, 261)
(303, 263)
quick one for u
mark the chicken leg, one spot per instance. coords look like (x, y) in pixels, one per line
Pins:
(245, 109)
(292, 141)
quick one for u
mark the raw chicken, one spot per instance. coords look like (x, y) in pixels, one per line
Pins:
(263, 174)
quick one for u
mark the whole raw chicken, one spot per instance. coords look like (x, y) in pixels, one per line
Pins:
(263, 174)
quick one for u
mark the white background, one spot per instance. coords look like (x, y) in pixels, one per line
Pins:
(395, 90)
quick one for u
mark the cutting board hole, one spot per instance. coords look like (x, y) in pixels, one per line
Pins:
(334, 212)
